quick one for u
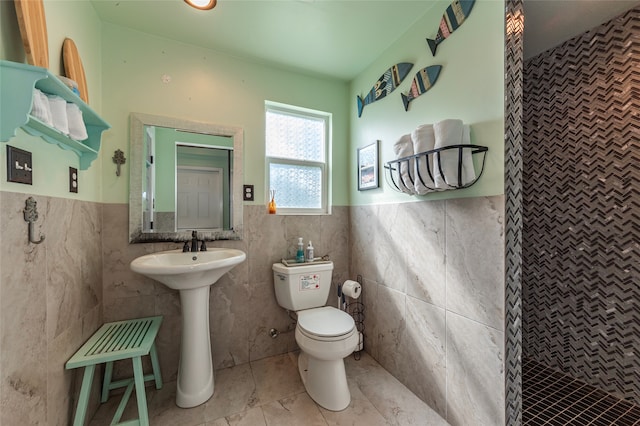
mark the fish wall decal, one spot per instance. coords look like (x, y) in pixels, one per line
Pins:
(385, 84)
(423, 81)
(453, 17)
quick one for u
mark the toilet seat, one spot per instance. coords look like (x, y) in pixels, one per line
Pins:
(326, 324)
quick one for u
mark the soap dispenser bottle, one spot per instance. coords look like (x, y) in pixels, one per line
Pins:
(300, 252)
(309, 254)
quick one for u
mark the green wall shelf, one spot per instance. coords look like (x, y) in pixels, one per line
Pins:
(16, 86)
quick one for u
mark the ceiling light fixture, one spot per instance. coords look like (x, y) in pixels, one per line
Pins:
(201, 4)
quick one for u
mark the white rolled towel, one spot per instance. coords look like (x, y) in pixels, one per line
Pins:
(404, 148)
(77, 129)
(468, 171)
(59, 113)
(423, 139)
(40, 108)
(446, 164)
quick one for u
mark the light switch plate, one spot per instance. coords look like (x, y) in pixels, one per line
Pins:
(73, 180)
(19, 165)
(247, 192)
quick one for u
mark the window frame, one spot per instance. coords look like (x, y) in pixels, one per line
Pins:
(325, 167)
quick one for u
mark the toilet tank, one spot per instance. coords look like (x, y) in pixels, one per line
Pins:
(302, 287)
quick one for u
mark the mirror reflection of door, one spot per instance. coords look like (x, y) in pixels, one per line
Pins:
(199, 198)
(202, 176)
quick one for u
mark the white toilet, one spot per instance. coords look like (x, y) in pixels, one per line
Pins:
(325, 335)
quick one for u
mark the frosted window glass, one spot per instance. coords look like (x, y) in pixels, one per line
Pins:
(296, 186)
(297, 138)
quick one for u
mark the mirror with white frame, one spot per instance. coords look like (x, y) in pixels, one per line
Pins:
(184, 176)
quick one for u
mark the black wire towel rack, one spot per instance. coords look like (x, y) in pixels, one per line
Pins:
(413, 164)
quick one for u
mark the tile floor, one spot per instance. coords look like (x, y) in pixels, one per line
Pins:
(552, 398)
(269, 392)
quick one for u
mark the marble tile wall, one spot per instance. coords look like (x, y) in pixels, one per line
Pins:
(433, 287)
(242, 304)
(50, 303)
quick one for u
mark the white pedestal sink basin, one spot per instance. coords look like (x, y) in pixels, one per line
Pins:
(192, 273)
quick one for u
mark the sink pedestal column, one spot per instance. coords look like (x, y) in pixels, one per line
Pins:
(195, 372)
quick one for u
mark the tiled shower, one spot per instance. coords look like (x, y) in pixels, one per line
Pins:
(581, 204)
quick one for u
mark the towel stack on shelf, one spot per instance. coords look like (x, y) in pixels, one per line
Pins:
(440, 170)
(56, 112)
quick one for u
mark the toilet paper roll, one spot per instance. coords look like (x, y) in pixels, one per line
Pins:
(351, 289)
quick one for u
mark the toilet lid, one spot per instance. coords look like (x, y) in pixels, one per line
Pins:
(326, 321)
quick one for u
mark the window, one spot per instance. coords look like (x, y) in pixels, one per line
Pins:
(297, 152)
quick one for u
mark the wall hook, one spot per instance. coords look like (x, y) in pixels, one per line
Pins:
(118, 158)
(31, 216)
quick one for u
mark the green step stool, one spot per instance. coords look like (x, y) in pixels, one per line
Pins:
(112, 342)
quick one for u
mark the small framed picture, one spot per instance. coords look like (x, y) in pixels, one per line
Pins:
(368, 167)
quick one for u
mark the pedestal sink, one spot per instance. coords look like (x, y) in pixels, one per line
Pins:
(192, 273)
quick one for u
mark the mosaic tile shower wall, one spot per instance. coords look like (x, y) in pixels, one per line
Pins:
(514, 27)
(581, 253)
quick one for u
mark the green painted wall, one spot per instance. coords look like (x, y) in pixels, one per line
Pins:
(470, 87)
(205, 86)
(212, 87)
(128, 68)
(78, 21)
